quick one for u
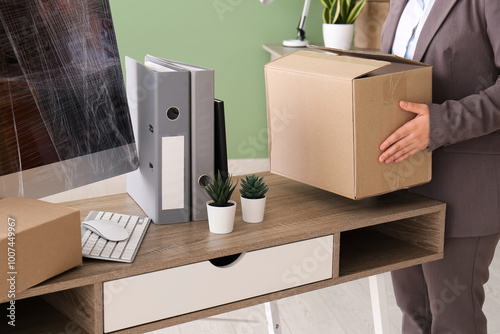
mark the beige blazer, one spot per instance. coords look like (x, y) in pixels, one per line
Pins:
(461, 40)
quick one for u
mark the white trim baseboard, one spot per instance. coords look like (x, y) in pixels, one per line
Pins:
(247, 166)
(118, 184)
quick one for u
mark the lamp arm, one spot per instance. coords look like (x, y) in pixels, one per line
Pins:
(302, 23)
(301, 40)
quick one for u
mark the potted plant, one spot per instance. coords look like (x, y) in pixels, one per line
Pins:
(338, 18)
(221, 209)
(253, 198)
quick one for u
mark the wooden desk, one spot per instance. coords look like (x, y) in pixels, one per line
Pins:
(370, 236)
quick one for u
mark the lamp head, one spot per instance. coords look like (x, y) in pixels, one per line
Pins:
(266, 2)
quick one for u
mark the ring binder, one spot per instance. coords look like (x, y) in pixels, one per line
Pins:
(159, 101)
(202, 130)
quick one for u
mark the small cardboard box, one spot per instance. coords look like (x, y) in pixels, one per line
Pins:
(38, 240)
(328, 115)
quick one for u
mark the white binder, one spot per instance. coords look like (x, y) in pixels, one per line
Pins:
(202, 131)
(159, 101)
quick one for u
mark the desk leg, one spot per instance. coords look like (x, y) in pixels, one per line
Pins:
(273, 317)
(83, 306)
(379, 304)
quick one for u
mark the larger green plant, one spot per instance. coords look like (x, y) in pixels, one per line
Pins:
(220, 190)
(342, 11)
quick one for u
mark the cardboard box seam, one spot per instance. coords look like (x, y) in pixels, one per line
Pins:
(306, 73)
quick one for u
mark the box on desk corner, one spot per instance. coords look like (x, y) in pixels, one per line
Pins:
(328, 115)
(44, 241)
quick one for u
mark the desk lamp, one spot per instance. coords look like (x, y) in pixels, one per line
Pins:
(300, 41)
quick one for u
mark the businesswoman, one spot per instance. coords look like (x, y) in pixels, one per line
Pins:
(461, 40)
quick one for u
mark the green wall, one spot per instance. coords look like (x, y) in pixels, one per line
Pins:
(226, 35)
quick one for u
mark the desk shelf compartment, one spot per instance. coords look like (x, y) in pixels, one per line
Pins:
(389, 246)
(162, 294)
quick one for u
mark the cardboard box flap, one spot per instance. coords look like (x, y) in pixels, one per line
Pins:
(369, 55)
(326, 64)
(16, 207)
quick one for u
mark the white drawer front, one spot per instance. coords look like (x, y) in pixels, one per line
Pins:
(166, 293)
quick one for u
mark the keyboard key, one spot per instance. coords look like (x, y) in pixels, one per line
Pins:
(90, 243)
(110, 246)
(131, 246)
(99, 245)
(131, 224)
(117, 252)
(86, 237)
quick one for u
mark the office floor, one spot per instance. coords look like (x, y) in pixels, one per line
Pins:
(341, 309)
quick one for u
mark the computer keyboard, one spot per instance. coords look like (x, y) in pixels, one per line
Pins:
(96, 247)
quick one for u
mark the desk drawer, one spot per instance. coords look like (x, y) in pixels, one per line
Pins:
(166, 293)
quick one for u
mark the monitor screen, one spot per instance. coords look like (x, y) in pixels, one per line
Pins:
(64, 118)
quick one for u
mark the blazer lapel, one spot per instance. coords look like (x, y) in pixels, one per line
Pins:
(438, 13)
(391, 24)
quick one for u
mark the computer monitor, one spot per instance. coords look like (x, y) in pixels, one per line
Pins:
(64, 118)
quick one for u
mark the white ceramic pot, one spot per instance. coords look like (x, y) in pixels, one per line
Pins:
(221, 219)
(253, 209)
(339, 36)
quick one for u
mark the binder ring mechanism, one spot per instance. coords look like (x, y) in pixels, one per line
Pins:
(203, 180)
(173, 113)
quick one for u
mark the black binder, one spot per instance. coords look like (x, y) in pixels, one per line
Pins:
(220, 154)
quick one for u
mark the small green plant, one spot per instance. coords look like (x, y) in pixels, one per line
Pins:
(253, 187)
(342, 11)
(220, 190)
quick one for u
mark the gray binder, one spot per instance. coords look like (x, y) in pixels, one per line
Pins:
(159, 101)
(202, 132)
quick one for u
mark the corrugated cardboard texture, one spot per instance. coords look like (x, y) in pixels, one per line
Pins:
(376, 99)
(296, 147)
(47, 241)
(368, 25)
(325, 130)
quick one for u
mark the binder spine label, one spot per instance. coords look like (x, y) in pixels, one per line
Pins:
(172, 173)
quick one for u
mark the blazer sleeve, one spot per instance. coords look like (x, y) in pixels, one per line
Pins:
(478, 114)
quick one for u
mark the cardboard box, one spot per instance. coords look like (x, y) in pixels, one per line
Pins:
(38, 240)
(328, 115)
(368, 25)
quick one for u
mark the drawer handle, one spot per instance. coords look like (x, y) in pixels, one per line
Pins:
(225, 261)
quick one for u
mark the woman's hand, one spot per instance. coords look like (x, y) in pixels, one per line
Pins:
(409, 139)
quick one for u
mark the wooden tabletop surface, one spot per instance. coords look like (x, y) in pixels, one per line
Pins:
(294, 212)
